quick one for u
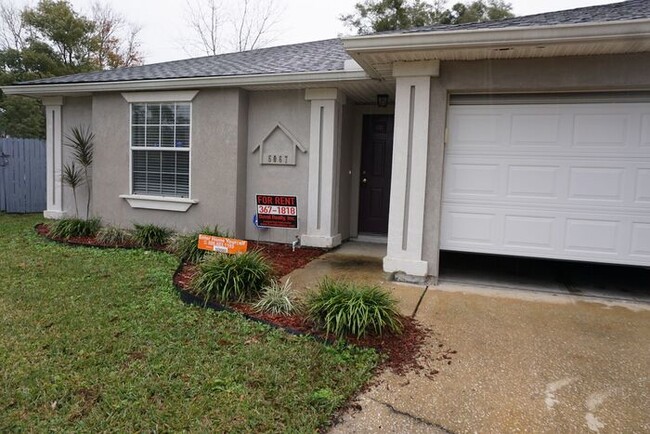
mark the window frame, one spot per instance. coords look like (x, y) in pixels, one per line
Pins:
(165, 203)
(187, 149)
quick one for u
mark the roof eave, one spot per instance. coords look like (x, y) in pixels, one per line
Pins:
(495, 37)
(308, 78)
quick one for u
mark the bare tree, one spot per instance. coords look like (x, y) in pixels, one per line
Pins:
(205, 21)
(253, 24)
(250, 25)
(117, 40)
(12, 27)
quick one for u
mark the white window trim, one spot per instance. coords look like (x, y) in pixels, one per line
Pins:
(162, 203)
(169, 96)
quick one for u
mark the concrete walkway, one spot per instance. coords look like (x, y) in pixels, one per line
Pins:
(501, 360)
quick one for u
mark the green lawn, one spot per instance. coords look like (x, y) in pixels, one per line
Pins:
(97, 340)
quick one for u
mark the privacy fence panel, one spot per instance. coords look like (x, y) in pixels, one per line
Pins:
(22, 175)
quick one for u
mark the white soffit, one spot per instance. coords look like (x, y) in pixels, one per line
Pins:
(377, 53)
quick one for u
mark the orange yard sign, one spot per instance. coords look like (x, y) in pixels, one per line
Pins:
(222, 245)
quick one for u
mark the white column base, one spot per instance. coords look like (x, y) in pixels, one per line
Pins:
(410, 267)
(322, 241)
(53, 214)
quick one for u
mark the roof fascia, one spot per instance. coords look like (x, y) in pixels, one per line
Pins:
(486, 38)
(39, 90)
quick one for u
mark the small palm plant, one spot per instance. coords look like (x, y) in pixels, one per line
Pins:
(82, 142)
(72, 177)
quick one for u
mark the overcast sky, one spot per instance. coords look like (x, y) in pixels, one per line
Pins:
(164, 29)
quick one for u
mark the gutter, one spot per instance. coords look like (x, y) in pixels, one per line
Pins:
(303, 78)
(494, 37)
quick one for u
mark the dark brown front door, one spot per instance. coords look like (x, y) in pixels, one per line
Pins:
(376, 165)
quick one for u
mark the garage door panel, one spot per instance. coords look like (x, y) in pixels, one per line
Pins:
(640, 240)
(529, 232)
(596, 183)
(567, 181)
(533, 181)
(642, 187)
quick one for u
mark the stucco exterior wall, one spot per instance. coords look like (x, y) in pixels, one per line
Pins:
(265, 110)
(75, 113)
(214, 162)
(568, 74)
(346, 169)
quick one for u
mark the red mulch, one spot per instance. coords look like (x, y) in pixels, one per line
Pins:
(401, 350)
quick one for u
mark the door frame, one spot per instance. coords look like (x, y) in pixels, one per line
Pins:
(355, 191)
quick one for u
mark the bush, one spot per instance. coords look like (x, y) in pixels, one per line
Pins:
(149, 235)
(277, 299)
(232, 277)
(186, 245)
(114, 235)
(344, 308)
(74, 227)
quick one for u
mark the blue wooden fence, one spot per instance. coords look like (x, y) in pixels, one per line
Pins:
(22, 175)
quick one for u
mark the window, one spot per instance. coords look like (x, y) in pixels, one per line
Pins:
(160, 149)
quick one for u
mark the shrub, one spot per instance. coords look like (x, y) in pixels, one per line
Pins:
(149, 235)
(344, 308)
(232, 277)
(114, 235)
(186, 245)
(277, 299)
(75, 227)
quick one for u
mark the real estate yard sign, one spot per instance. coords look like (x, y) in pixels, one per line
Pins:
(222, 245)
(275, 211)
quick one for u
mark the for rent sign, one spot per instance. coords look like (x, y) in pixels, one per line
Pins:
(277, 211)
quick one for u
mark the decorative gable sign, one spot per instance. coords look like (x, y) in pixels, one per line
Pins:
(279, 146)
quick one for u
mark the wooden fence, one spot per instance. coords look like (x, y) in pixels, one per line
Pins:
(22, 175)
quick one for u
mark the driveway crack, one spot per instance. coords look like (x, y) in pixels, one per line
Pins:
(414, 417)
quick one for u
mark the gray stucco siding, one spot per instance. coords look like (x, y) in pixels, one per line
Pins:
(75, 113)
(563, 74)
(265, 110)
(214, 163)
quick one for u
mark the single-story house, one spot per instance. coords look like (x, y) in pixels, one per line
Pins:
(528, 136)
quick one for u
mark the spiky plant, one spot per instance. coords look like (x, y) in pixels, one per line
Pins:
(343, 308)
(186, 245)
(82, 143)
(278, 299)
(150, 235)
(114, 236)
(68, 228)
(72, 177)
(226, 277)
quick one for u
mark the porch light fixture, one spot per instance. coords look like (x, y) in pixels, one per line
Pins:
(382, 100)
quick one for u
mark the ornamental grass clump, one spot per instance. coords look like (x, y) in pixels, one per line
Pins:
(75, 227)
(149, 235)
(278, 299)
(226, 278)
(343, 308)
(186, 245)
(114, 236)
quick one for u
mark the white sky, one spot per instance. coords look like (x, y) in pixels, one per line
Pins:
(164, 30)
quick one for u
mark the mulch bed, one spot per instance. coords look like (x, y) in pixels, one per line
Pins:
(401, 351)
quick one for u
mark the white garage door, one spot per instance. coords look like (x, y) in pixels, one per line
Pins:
(568, 181)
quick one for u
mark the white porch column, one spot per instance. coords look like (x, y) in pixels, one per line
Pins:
(408, 179)
(324, 155)
(54, 156)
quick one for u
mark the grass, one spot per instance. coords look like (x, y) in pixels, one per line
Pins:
(97, 340)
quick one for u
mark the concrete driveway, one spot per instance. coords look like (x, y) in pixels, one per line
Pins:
(502, 360)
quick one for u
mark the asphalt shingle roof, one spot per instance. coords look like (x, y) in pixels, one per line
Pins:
(318, 56)
(330, 55)
(623, 11)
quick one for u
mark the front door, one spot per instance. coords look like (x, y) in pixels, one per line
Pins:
(376, 165)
